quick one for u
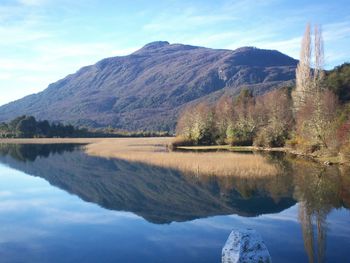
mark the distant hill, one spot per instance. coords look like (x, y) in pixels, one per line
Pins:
(146, 90)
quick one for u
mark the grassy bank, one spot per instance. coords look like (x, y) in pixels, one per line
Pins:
(217, 147)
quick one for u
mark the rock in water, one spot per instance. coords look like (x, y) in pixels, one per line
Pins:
(245, 245)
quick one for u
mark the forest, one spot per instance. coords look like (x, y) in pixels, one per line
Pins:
(312, 117)
(28, 127)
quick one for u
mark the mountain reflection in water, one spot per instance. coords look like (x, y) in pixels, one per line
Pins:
(157, 194)
(163, 195)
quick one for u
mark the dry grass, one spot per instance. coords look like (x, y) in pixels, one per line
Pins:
(153, 151)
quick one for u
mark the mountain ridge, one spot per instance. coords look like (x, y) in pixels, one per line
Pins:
(147, 89)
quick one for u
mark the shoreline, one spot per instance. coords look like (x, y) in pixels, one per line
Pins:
(326, 160)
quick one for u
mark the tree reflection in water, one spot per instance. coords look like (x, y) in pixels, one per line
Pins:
(318, 189)
(163, 195)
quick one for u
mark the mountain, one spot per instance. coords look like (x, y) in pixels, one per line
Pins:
(147, 89)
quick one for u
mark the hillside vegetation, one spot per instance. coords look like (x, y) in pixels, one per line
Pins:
(28, 127)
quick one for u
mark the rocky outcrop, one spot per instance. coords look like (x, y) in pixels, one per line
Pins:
(245, 245)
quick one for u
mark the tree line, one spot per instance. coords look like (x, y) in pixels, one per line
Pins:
(28, 127)
(242, 121)
(312, 117)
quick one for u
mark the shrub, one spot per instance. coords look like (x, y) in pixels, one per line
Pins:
(239, 138)
(240, 134)
(180, 141)
(292, 143)
(220, 140)
(304, 146)
(261, 139)
(345, 153)
(271, 137)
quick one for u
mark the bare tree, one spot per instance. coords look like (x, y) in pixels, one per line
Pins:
(308, 81)
(318, 74)
(317, 119)
(314, 107)
(303, 71)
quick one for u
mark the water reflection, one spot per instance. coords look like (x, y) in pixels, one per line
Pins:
(29, 152)
(163, 195)
(318, 189)
(157, 194)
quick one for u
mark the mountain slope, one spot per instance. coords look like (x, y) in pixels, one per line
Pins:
(145, 90)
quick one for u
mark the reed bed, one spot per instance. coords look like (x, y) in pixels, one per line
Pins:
(153, 151)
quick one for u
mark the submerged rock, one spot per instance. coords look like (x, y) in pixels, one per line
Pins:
(245, 245)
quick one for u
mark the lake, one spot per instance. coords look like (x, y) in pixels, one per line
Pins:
(58, 204)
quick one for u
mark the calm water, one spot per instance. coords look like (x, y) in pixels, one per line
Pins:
(59, 205)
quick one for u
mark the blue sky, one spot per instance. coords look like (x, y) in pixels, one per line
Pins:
(42, 41)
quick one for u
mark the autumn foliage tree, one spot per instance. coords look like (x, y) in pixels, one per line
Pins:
(242, 126)
(196, 125)
(265, 120)
(224, 113)
(275, 118)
